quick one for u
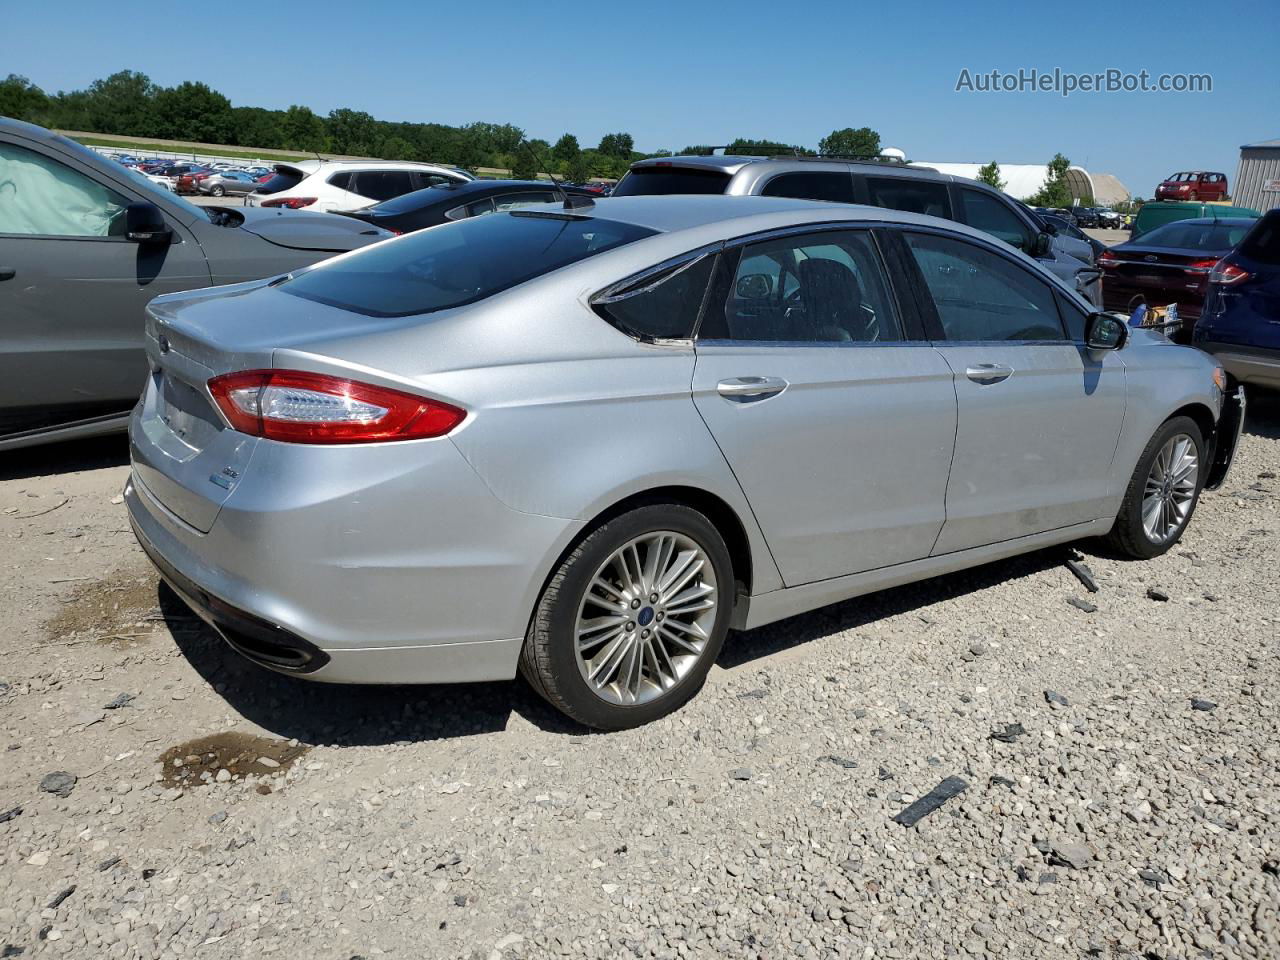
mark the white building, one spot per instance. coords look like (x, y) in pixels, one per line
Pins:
(1022, 180)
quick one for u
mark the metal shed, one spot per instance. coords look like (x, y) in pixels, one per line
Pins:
(1257, 181)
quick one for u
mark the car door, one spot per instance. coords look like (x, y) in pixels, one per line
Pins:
(835, 415)
(1039, 415)
(73, 289)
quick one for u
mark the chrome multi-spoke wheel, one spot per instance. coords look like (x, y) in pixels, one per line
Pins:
(646, 617)
(1170, 489)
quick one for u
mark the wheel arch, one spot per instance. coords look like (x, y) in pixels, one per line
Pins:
(1202, 417)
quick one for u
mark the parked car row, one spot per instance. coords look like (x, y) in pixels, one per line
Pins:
(295, 418)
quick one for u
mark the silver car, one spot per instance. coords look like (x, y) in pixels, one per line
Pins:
(227, 183)
(583, 442)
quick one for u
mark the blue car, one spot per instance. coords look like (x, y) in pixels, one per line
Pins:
(1240, 322)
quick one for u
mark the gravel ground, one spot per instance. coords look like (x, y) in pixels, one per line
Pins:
(1120, 770)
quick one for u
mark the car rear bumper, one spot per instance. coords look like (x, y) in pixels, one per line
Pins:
(379, 582)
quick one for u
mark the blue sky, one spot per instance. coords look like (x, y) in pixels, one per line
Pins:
(679, 73)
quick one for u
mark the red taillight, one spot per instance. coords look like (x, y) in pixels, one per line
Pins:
(1107, 259)
(293, 203)
(1200, 266)
(299, 407)
(1228, 273)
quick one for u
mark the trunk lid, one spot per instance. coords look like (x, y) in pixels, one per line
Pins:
(304, 230)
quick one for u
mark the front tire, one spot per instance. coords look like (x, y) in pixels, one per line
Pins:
(1163, 492)
(630, 622)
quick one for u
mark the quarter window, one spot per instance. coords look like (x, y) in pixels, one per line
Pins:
(981, 296)
(662, 307)
(913, 196)
(41, 197)
(514, 201)
(989, 214)
(826, 288)
(833, 187)
(341, 180)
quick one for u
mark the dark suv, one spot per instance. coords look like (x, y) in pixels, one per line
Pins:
(895, 185)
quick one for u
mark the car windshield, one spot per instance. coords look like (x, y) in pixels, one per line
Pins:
(1185, 235)
(661, 181)
(459, 263)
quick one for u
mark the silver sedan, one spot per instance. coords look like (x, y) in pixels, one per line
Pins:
(584, 442)
(227, 183)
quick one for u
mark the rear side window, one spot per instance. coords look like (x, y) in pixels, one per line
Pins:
(661, 181)
(514, 201)
(981, 296)
(989, 214)
(382, 184)
(458, 263)
(286, 178)
(833, 187)
(661, 307)
(913, 196)
(1263, 242)
(341, 180)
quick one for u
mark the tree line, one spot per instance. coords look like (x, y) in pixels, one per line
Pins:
(128, 103)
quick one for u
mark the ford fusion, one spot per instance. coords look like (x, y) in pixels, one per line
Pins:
(583, 443)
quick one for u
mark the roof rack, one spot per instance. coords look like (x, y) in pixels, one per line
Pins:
(863, 158)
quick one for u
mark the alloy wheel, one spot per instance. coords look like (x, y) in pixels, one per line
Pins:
(1170, 488)
(646, 618)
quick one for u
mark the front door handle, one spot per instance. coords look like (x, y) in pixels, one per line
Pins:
(746, 389)
(7, 273)
(988, 373)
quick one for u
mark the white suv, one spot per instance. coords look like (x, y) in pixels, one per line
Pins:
(328, 185)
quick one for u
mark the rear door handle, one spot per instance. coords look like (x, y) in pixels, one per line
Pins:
(6, 273)
(746, 389)
(988, 373)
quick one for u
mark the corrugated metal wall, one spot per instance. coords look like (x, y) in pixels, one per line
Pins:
(1258, 169)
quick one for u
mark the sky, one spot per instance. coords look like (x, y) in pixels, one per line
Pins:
(673, 74)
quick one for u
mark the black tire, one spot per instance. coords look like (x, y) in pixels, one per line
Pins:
(548, 659)
(1128, 535)
(217, 191)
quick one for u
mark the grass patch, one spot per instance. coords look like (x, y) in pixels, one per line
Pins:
(135, 148)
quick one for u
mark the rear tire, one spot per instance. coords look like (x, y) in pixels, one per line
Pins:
(217, 191)
(1155, 511)
(1193, 196)
(622, 633)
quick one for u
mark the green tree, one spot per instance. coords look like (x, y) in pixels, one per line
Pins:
(124, 103)
(192, 111)
(617, 145)
(524, 166)
(256, 127)
(397, 148)
(862, 142)
(351, 132)
(22, 99)
(766, 148)
(300, 129)
(566, 150)
(1055, 192)
(579, 168)
(990, 175)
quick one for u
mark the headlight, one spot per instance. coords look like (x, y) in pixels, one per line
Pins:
(1220, 379)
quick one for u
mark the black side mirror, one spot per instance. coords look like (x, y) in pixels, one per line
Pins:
(1042, 245)
(1102, 331)
(144, 223)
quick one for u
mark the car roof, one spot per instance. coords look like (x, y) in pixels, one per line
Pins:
(671, 213)
(732, 163)
(312, 166)
(1208, 221)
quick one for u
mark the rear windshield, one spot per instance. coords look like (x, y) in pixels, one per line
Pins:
(662, 181)
(1263, 242)
(1196, 236)
(458, 263)
(286, 178)
(410, 202)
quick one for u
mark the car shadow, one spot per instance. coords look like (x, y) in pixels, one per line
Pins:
(746, 646)
(346, 715)
(69, 456)
(1262, 417)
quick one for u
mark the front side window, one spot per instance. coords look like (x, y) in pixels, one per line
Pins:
(818, 288)
(41, 197)
(989, 214)
(458, 263)
(833, 187)
(912, 196)
(660, 307)
(981, 296)
(382, 184)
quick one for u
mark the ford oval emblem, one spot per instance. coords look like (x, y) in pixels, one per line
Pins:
(164, 343)
(1151, 258)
